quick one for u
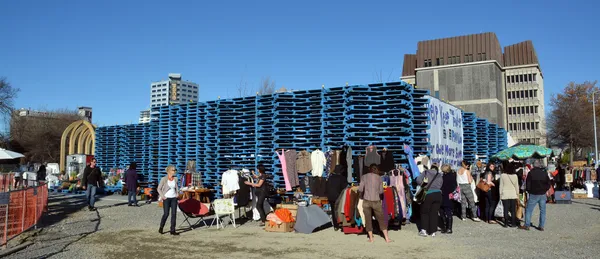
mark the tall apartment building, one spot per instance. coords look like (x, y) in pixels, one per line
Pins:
(473, 73)
(173, 91)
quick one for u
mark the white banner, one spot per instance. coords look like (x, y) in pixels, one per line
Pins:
(445, 133)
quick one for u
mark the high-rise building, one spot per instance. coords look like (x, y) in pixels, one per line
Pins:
(473, 73)
(144, 116)
(173, 91)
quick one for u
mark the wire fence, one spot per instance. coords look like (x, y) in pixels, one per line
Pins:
(20, 209)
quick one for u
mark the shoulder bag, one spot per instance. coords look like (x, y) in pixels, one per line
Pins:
(422, 192)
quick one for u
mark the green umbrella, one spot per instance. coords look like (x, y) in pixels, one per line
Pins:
(522, 152)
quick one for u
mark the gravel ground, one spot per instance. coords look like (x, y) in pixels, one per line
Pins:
(119, 231)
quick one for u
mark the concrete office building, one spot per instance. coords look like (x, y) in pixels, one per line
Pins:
(472, 73)
(173, 91)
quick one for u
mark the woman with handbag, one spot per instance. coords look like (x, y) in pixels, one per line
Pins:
(509, 193)
(167, 193)
(431, 182)
(486, 186)
(449, 186)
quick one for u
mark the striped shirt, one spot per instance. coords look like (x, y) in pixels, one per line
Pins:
(371, 187)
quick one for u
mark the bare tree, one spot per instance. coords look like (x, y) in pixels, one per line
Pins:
(267, 86)
(242, 88)
(7, 96)
(571, 119)
(39, 133)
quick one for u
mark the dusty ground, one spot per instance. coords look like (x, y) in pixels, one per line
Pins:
(119, 231)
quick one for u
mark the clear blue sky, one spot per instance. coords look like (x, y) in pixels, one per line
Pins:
(105, 54)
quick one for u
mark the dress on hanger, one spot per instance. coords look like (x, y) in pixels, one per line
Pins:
(290, 162)
(281, 156)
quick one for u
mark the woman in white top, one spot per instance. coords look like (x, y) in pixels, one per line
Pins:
(167, 193)
(464, 180)
(509, 193)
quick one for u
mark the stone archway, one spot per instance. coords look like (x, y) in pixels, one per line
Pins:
(78, 138)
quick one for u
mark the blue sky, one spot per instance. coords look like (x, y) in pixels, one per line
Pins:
(105, 54)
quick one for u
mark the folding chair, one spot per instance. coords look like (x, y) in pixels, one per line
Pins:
(193, 209)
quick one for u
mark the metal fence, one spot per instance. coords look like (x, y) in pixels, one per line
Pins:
(21, 210)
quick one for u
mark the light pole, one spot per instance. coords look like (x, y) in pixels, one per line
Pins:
(595, 135)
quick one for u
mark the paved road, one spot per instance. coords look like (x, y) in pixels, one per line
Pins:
(119, 231)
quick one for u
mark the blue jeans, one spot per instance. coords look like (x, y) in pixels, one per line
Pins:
(90, 194)
(531, 202)
(131, 196)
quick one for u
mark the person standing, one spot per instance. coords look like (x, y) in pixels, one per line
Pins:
(91, 180)
(18, 179)
(449, 185)
(336, 183)
(467, 198)
(490, 204)
(509, 193)
(371, 190)
(167, 193)
(261, 191)
(131, 180)
(40, 175)
(537, 184)
(433, 200)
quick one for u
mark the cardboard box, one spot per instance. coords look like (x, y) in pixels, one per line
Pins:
(580, 196)
(283, 228)
(293, 208)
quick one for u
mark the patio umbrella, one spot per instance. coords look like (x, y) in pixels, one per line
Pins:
(7, 154)
(522, 152)
(310, 218)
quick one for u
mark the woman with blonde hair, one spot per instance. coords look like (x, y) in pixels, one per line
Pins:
(167, 193)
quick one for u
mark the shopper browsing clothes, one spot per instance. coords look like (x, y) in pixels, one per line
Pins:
(467, 197)
(131, 181)
(537, 184)
(509, 193)
(490, 204)
(261, 192)
(449, 185)
(91, 180)
(432, 202)
(371, 190)
(167, 193)
(336, 183)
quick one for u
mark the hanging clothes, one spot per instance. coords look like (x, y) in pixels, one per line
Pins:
(230, 182)
(360, 167)
(243, 194)
(387, 161)
(371, 156)
(346, 160)
(335, 160)
(290, 161)
(303, 163)
(318, 161)
(398, 179)
(283, 161)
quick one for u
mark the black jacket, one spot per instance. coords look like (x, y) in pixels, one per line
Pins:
(335, 185)
(92, 176)
(537, 181)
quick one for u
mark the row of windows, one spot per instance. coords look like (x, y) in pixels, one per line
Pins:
(523, 110)
(535, 141)
(524, 78)
(524, 126)
(184, 85)
(522, 94)
(454, 60)
(157, 95)
(159, 100)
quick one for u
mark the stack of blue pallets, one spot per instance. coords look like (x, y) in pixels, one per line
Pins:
(469, 136)
(244, 132)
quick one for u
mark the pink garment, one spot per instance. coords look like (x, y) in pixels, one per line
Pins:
(288, 186)
(398, 182)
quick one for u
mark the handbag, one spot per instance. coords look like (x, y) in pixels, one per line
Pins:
(422, 192)
(455, 195)
(483, 186)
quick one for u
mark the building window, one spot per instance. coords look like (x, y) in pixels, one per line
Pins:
(523, 126)
(530, 77)
(530, 93)
(526, 94)
(521, 78)
(537, 125)
(534, 79)
(534, 93)
(536, 109)
(437, 62)
(526, 109)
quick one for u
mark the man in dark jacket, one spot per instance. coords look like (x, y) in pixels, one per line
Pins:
(537, 184)
(131, 181)
(335, 185)
(91, 180)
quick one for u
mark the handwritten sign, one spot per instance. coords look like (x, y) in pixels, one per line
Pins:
(445, 133)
